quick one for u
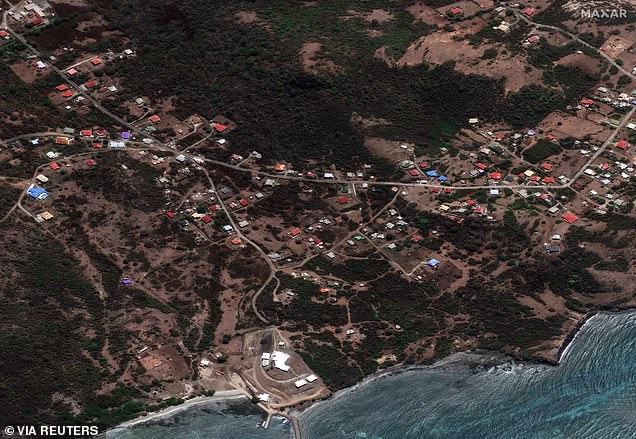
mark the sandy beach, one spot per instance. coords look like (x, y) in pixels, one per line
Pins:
(220, 396)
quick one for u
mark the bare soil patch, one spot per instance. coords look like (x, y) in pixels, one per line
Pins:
(312, 62)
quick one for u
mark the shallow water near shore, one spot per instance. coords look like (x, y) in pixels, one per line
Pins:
(591, 394)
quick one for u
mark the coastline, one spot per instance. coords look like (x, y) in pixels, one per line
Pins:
(299, 414)
(400, 368)
(220, 396)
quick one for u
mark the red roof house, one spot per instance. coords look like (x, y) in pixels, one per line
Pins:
(294, 232)
(423, 165)
(54, 166)
(3, 34)
(455, 11)
(529, 12)
(550, 137)
(154, 118)
(622, 144)
(87, 133)
(170, 214)
(534, 178)
(62, 141)
(36, 21)
(243, 203)
(587, 101)
(90, 84)
(213, 208)
(480, 166)
(570, 218)
(96, 61)
(61, 87)
(414, 172)
(416, 238)
(343, 200)
(236, 241)
(546, 166)
(67, 93)
(90, 162)
(548, 180)
(495, 175)
(533, 39)
(71, 72)
(219, 127)
(206, 219)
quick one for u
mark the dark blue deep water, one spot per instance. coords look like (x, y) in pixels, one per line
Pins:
(591, 394)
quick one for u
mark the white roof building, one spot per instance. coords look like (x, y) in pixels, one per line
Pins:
(311, 378)
(280, 358)
(300, 383)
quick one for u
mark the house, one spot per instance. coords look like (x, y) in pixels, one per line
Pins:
(311, 378)
(587, 102)
(548, 180)
(495, 175)
(416, 238)
(414, 172)
(139, 101)
(90, 84)
(529, 12)
(533, 39)
(41, 178)
(294, 232)
(154, 118)
(46, 216)
(71, 72)
(180, 158)
(433, 263)
(480, 166)
(54, 166)
(280, 167)
(622, 144)
(455, 12)
(90, 163)
(62, 141)
(170, 214)
(264, 397)
(96, 61)
(206, 219)
(546, 166)
(125, 135)
(61, 87)
(86, 133)
(570, 218)
(432, 173)
(553, 249)
(219, 127)
(235, 241)
(68, 94)
(37, 193)
(343, 200)
(116, 144)
(243, 224)
(328, 175)
(4, 34)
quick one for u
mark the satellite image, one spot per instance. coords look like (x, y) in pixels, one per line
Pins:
(277, 219)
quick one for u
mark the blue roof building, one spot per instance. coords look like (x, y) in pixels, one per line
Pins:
(442, 178)
(432, 173)
(37, 193)
(433, 263)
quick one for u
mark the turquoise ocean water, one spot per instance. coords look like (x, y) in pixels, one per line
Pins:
(591, 394)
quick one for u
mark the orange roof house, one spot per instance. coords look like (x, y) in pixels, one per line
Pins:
(280, 167)
(570, 218)
(62, 141)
